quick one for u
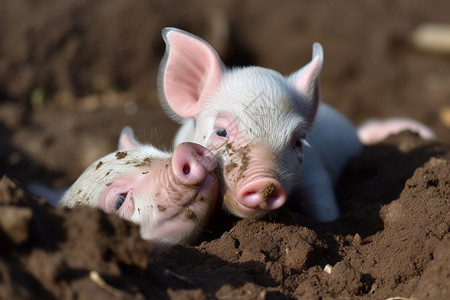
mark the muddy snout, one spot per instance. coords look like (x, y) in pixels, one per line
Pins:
(192, 163)
(264, 193)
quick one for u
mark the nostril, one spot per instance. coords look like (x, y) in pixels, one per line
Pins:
(251, 198)
(192, 163)
(186, 169)
(273, 198)
(200, 152)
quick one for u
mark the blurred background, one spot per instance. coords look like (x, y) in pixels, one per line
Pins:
(74, 72)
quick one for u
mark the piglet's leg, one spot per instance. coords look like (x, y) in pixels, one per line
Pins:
(52, 196)
(314, 194)
(374, 131)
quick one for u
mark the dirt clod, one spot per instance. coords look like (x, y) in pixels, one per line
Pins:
(15, 223)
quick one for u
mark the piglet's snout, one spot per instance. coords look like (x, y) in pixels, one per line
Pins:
(265, 193)
(192, 163)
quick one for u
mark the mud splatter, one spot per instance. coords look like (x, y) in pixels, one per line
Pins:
(229, 149)
(109, 184)
(84, 200)
(146, 162)
(189, 214)
(238, 157)
(267, 191)
(121, 154)
(161, 207)
(230, 167)
(100, 163)
(245, 160)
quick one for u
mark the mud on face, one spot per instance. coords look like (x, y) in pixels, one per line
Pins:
(239, 160)
(243, 169)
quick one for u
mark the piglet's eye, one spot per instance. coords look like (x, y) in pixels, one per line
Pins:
(119, 200)
(221, 132)
(298, 143)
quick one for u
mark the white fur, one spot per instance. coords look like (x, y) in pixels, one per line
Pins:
(269, 108)
(167, 210)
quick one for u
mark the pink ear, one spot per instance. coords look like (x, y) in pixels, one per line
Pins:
(306, 81)
(127, 140)
(190, 70)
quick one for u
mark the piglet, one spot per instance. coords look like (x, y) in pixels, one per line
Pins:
(171, 196)
(272, 137)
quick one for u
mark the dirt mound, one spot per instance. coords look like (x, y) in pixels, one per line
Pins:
(382, 247)
(58, 253)
(390, 242)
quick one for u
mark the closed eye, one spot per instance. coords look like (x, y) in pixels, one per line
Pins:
(119, 200)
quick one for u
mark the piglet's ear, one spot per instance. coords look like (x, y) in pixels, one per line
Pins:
(127, 139)
(189, 72)
(306, 81)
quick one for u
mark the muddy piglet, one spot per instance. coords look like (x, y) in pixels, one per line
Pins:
(171, 196)
(272, 137)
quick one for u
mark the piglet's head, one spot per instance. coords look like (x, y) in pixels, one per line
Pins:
(255, 120)
(171, 196)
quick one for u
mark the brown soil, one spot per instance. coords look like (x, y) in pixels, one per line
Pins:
(73, 73)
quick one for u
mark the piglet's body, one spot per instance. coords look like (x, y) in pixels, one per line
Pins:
(171, 196)
(272, 136)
